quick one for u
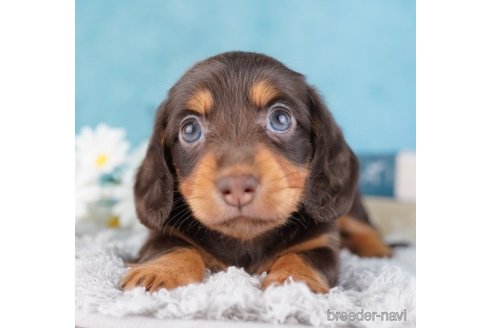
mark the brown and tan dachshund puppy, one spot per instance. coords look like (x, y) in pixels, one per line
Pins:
(246, 167)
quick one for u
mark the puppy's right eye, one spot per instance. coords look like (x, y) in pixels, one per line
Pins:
(191, 130)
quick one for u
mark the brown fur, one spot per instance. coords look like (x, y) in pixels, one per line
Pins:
(300, 179)
(324, 240)
(329, 240)
(211, 262)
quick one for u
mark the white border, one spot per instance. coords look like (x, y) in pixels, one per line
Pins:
(454, 84)
(453, 172)
(37, 163)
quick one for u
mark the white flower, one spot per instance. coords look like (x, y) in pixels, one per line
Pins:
(101, 150)
(124, 208)
(87, 190)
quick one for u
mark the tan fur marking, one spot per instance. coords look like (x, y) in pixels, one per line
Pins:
(282, 181)
(281, 189)
(362, 239)
(262, 93)
(198, 189)
(177, 268)
(292, 265)
(201, 101)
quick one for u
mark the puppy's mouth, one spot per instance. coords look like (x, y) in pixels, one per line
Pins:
(244, 227)
(240, 219)
(243, 221)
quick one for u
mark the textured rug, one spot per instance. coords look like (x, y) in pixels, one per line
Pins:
(371, 292)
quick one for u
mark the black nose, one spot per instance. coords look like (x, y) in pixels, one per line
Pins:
(237, 190)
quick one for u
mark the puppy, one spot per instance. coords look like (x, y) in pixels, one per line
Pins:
(246, 167)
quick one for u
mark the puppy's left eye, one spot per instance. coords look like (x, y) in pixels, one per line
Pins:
(280, 120)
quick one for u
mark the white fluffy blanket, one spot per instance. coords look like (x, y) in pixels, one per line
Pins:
(377, 285)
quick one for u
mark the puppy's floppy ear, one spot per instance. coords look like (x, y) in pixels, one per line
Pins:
(332, 182)
(154, 183)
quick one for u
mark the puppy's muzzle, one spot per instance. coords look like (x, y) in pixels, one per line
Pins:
(237, 190)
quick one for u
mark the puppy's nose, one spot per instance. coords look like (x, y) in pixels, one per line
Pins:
(237, 190)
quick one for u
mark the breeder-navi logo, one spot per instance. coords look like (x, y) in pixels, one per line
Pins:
(367, 316)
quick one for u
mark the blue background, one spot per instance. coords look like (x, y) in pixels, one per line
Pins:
(359, 54)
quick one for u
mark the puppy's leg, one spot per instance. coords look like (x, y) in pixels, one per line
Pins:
(314, 262)
(176, 267)
(166, 261)
(361, 238)
(358, 234)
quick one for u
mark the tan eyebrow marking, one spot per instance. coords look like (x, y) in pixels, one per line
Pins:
(201, 101)
(262, 92)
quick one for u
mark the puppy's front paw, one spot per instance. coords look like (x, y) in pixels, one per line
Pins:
(278, 278)
(172, 270)
(293, 266)
(153, 277)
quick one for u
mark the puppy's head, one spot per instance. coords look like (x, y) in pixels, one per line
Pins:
(246, 143)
